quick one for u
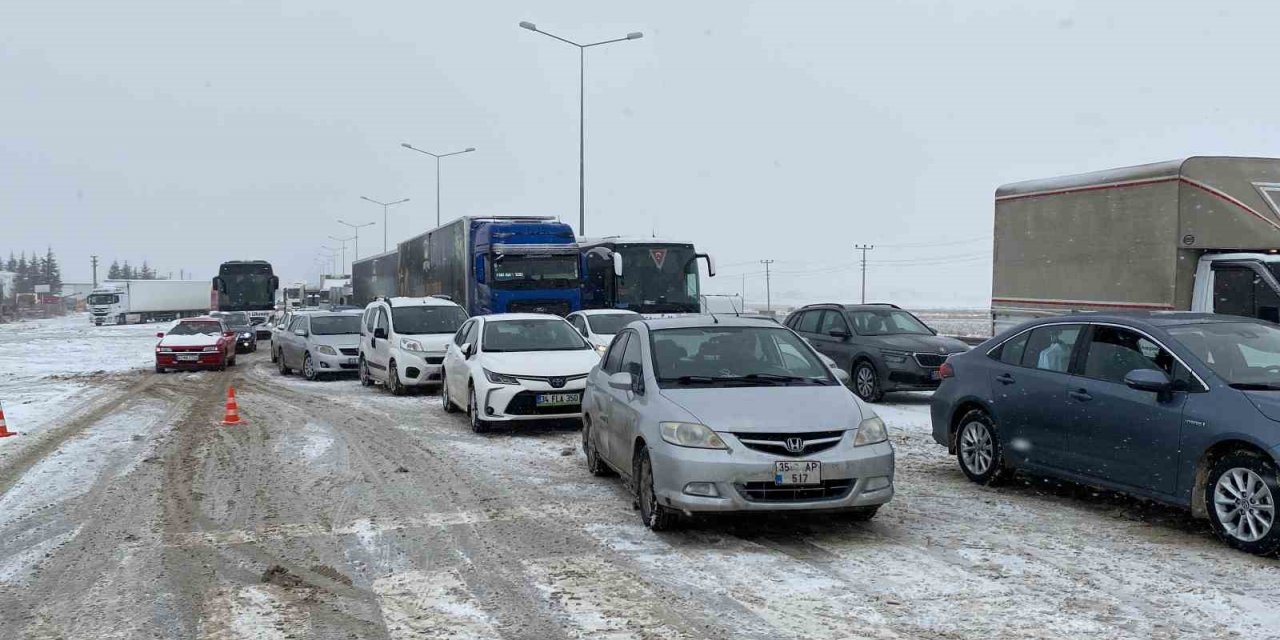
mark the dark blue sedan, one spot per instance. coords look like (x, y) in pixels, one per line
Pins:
(1183, 408)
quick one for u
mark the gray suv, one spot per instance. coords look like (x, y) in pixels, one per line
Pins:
(884, 347)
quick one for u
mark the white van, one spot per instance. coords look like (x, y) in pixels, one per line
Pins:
(403, 340)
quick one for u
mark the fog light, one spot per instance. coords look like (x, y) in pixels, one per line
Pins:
(704, 489)
(324, 365)
(877, 483)
(488, 411)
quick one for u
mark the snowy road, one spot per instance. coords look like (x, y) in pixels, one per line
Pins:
(343, 512)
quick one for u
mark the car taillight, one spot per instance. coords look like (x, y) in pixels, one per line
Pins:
(946, 371)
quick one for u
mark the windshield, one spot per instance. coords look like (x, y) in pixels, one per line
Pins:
(531, 335)
(734, 356)
(335, 325)
(245, 290)
(1242, 353)
(434, 319)
(658, 279)
(886, 322)
(104, 298)
(535, 271)
(195, 328)
(606, 324)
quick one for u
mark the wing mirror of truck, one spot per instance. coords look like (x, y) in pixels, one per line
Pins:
(617, 264)
(1151, 380)
(711, 264)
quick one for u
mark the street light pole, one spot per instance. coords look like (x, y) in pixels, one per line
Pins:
(355, 228)
(437, 156)
(384, 214)
(344, 251)
(582, 112)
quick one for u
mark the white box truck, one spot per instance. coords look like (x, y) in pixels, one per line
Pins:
(1200, 234)
(131, 301)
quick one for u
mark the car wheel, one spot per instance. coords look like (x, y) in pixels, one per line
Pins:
(284, 369)
(365, 380)
(862, 514)
(445, 402)
(978, 449)
(309, 367)
(159, 369)
(1241, 499)
(393, 380)
(652, 514)
(231, 362)
(273, 356)
(866, 382)
(595, 464)
(478, 424)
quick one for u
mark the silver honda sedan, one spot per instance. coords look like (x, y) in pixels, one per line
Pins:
(707, 414)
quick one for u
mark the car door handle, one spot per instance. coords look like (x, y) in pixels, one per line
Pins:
(1080, 394)
(1005, 379)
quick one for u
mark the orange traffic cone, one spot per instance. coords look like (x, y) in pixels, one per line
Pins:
(4, 428)
(233, 410)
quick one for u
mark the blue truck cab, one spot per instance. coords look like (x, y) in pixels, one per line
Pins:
(522, 264)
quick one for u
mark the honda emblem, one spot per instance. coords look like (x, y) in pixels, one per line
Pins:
(795, 445)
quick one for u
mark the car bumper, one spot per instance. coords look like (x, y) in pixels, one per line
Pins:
(909, 376)
(852, 477)
(518, 403)
(326, 363)
(170, 361)
(419, 369)
(245, 344)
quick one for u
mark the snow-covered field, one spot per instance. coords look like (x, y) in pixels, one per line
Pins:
(341, 511)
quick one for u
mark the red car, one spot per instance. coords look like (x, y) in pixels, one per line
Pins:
(196, 343)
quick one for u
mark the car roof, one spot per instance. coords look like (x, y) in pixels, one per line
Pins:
(200, 319)
(1152, 318)
(425, 301)
(603, 312)
(708, 320)
(492, 317)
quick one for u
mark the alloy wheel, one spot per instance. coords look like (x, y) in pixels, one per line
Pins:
(1244, 505)
(977, 449)
(308, 367)
(866, 381)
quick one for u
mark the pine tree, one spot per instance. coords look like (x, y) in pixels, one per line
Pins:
(126, 271)
(146, 273)
(12, 265)
(113, 272)
(21, 284)
(52, 272)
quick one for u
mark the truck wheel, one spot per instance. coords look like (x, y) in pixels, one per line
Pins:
(652, 514)
(1241, 499)
(866, 382)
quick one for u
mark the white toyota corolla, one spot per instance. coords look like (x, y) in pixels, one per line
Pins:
(516, 367)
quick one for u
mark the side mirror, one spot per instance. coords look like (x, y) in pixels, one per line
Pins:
(711, 264)
(637, 378)
(1151, 380)
(300, 332)
(620, 380)
(842, 376)
(839, 333)
(467, 349)
(159, 334)
(617, 264)
(380, 332)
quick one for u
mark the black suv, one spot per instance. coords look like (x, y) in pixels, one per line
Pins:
(885, 347)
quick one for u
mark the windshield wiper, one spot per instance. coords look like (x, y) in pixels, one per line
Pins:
(1255, 386)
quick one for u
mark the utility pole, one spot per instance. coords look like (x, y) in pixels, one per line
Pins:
(93, 260)
(768, 294)
(864, 248)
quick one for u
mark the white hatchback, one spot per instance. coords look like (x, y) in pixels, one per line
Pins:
(402, 341)
(598, 326)
(515, 367)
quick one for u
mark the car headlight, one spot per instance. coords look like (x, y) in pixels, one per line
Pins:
(689, 434)
(327, 350)
(500, 378)
(895, 357)
(164, 350)
(211, 349)
(600, 349)
(409, 344)
(871, 431)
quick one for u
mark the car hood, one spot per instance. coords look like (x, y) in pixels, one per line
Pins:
(922, 344)
(1267, 402)
(337, 340)
(431, 342)
(541, 363)
(198, 340)
(770, 409)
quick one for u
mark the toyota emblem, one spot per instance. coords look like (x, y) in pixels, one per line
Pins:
(795, 445)
(556, 382)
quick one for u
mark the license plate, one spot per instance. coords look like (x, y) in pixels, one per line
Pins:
(935, 375)
(188, 358)
(353, 361)
(557, 399)
(797, 472)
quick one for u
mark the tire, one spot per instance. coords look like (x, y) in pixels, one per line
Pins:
(862, 514)
(449, 406)
(309, 368)
(978, 449)
(284, 369)
(273, 356)
(595, 464)
(160, 369)
(1244, 480)
(365, 380)
(232, 361)
(866, 382)
(654, 516)
(478, 424)
(393, 380)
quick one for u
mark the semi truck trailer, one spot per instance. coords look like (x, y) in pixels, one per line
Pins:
(1198, 234)
(132, 301)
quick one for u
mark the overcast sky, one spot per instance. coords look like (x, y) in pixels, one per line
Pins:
(188, 133)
